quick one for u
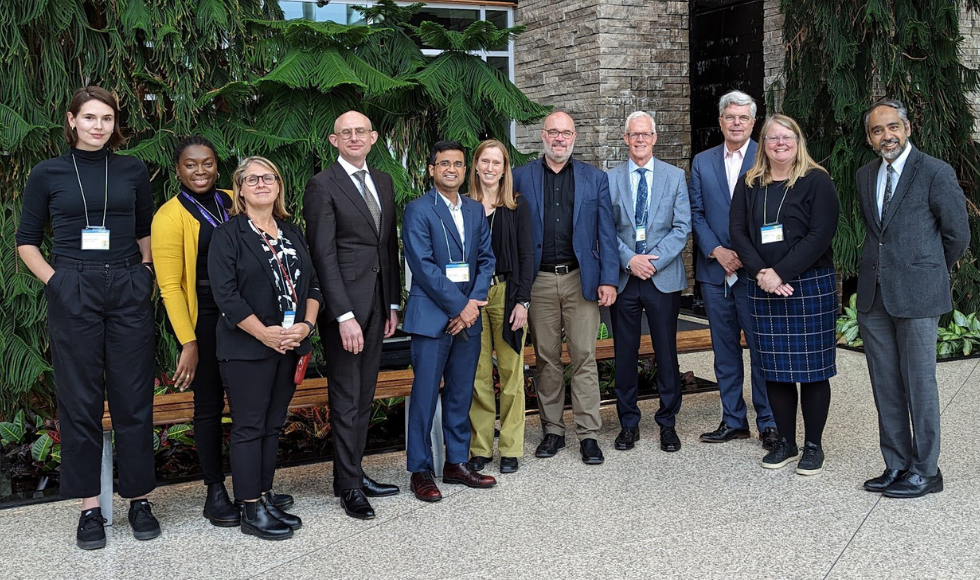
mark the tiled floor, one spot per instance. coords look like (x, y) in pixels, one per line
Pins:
(708, 511)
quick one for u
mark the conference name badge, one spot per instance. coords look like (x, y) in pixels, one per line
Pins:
(772, 233)
(458, 272)
(641, 234)
(95, 239)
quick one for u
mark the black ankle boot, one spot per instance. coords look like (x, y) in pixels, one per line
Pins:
(218, 508)
(289, 519)
(258, 522)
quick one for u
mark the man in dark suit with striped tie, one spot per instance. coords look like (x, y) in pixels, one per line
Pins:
(917, 228)
(349, 210)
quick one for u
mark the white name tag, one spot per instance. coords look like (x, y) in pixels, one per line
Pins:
(95, 239)
(641, 234)
(458, 272)
(772, 233)
(288, 318)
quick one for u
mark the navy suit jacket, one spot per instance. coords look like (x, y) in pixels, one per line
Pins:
(593, 228)
(710, 206)
(433, 299)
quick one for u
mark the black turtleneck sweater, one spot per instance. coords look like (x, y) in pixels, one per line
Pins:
(52, 194)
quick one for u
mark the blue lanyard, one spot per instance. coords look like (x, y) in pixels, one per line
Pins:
(212, 219)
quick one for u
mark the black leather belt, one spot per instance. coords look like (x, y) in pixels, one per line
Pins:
(499, 279)
(563, 268)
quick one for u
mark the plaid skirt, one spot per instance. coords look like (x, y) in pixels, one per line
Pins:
(797, 334)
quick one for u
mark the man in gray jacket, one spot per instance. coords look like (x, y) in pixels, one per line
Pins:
(652, 213)
(917, 228)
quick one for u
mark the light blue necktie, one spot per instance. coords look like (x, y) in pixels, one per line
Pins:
(641, 207)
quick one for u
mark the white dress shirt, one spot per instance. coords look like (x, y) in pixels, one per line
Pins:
(457, 212)
(898, 165)
(733, 165)
(635, 181)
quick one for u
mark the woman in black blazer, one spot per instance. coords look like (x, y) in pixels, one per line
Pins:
(266, 288)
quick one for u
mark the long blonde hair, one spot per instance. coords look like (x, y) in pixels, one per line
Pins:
(762, 168)
(238, 202)
(506, 196)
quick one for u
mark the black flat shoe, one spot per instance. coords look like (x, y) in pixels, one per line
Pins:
(888, 477)
(669, 441)
(141, 520)
(627, 438)
(508, 465)
(914, 485)
(723, 434)
(91, 530)
(356, 505)
(478, 462)
(258, 522)
(769, 437)
(591, 454)
(290, 520)
(550, 445)
(372, 488)
(280, 500)
(218, 508)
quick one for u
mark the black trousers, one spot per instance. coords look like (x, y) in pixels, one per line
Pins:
(661, 310)
(209, 393)
(351, 383)
(101, 327)
(259, 392)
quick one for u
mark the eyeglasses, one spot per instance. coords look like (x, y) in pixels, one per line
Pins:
(780, 138)
(554, 133)
(740, 118)
(635, 136)
(446, 164)
(267, 179)
(347, 134)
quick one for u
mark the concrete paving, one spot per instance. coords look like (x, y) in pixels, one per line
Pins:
(708, 511)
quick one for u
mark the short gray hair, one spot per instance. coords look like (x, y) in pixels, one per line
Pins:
(638, 115)
(736, 98)
(903, 113)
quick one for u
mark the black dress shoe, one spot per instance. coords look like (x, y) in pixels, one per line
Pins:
(669, 441)
(627, 438)
(724, 433)
(218, 508)
(890, 476)
(478, 462)
(591, 454)
(550, 446)
(290, 520)
(258, 522)
(769, 437)
(280, 500)
(508, 465)
(915, 485)
(356, 505)
(373, 488)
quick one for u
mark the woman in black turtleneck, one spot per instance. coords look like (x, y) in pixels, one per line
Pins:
(98, 284)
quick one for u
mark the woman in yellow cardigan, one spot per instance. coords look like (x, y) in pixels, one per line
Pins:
(181, 235)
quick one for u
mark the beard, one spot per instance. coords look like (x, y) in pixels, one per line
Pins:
(891, 155)
(556, 157)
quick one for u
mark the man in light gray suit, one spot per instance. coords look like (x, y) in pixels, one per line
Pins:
(652, 213)
(917, 228)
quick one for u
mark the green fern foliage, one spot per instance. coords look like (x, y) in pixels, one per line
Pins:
(254, 84)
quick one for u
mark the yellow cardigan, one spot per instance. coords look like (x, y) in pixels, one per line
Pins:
(174, 237)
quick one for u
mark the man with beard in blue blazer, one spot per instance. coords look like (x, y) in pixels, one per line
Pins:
(446, 240)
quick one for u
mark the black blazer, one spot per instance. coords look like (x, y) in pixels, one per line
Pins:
(242, 283)
(348, 251)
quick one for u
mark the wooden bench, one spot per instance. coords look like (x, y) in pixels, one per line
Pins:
(179, 407)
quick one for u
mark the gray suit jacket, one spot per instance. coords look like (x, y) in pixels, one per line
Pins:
(925, 231)
(668, 223)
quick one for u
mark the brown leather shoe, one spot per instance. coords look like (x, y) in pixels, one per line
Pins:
(463, 473)
(424, 486)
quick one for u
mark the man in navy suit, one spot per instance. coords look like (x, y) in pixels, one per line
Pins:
(653, 218)
(577, 272)
(724, 284)
(447, 247)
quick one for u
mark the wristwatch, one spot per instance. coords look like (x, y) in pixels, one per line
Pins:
(526, 305)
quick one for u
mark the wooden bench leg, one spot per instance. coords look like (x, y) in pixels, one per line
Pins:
(105, 498)
(438, 443)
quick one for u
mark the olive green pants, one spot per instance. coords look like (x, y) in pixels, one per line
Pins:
(510, 365)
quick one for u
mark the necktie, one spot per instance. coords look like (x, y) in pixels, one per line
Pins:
(888, 191)
(372, 204)
(641, 206)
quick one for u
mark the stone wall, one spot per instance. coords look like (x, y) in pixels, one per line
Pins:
(970, 57)
(774, 50)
